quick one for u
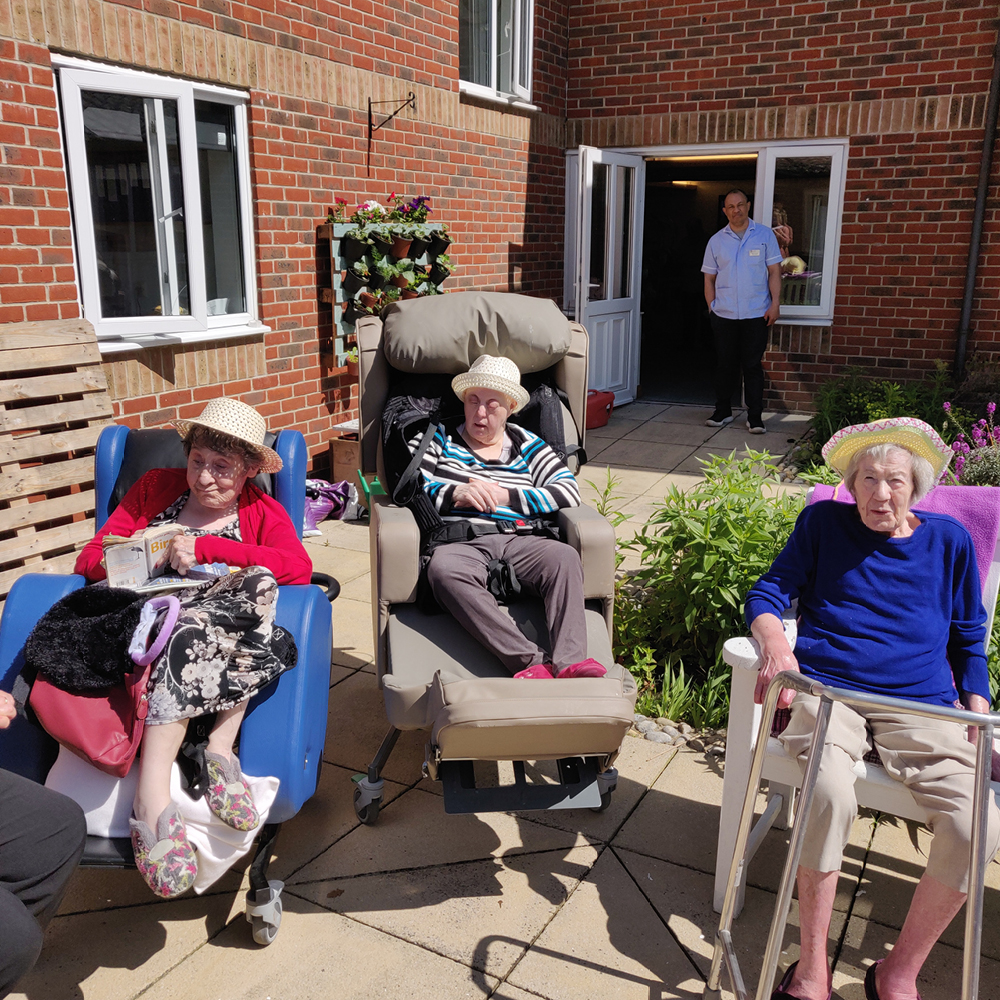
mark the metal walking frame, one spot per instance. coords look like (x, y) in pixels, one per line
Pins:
(724, 950)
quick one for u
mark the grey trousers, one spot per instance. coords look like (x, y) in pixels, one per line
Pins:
(42, 834)
(931, 757)
(544, 566)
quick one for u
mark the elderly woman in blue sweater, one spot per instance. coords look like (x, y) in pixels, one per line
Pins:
(889, 603)
(506, 483)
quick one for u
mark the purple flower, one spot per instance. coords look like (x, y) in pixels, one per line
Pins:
(959, 465)
(991, 408)
(947, 407)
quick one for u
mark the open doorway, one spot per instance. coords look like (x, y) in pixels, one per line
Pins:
(683, 208)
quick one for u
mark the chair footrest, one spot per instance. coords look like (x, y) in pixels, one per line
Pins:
(108, 852)
(578, 788)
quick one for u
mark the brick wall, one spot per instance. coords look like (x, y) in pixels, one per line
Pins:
(37, 278)
(309, 72)
(906, 82)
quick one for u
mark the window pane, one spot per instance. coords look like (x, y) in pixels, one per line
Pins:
(505, 46)
(134, 172)
(799, 219)
(622, 263)
(220, 208)
(598, 233)
(474, 41)
(523, 54)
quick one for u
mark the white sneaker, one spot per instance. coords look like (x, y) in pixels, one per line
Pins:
(716, 420)
(756, 428)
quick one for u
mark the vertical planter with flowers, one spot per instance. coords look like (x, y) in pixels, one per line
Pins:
(380, 254)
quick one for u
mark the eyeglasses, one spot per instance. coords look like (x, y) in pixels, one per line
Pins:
(223, 473)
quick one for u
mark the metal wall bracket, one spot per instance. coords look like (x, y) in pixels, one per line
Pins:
(410, 102)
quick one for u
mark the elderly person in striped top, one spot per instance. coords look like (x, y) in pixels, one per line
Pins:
(506, 480)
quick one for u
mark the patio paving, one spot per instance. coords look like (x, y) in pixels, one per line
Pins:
(556, 905)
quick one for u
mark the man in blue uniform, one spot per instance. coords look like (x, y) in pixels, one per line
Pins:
(742, 269)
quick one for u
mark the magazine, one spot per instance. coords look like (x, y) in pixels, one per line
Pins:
(139, 563)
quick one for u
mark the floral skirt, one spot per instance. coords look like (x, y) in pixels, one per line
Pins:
(224, 648)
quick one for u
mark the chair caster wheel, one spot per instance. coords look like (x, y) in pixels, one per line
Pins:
(368, 812)
(605, 802)
(264, 913)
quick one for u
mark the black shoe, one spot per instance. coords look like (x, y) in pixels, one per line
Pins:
(719, 419)
(756, 426)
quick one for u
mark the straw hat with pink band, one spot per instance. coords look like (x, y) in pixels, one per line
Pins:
(907, 432)
(236, 420)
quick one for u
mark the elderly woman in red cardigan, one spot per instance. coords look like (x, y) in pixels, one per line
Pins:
(225, 646)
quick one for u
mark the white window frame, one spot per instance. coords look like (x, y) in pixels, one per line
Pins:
(767, 153)
(129, 332)
(522, 35)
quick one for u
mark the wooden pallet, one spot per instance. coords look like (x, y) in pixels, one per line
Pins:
(53, 403)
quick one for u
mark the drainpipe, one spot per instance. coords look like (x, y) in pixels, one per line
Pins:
(985, 166)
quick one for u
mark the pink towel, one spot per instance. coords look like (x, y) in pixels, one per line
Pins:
(977, 507)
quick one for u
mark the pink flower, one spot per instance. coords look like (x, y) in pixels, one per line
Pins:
(991, 408)
(947, 407)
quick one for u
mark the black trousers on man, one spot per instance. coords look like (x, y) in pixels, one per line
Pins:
(42, 835)
(739, 345)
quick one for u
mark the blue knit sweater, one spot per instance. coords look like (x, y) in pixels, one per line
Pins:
(877, 614)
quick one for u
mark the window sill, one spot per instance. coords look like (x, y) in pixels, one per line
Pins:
(803, 321)
(493, 97)
(123, 344)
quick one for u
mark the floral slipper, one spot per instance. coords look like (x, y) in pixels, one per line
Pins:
(165, 859)
(228, 795)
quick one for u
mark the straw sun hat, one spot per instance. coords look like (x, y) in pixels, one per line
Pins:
(499, 374)
(239, 421)
(907, 432)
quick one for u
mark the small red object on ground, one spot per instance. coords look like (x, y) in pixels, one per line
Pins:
(599, 407)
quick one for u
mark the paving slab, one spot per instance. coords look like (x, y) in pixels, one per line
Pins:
(484, 914)
(118, 953)
(342, 534)
(683, 899)
(660, 432)
(867, 941)
(343, 563)
(607, 941)
(413, 831)
(327, 817)
(353, 635)
(650, 455)
(356, 726)
(318, 955)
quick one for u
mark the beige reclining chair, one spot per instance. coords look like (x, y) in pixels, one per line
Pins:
(433, 674)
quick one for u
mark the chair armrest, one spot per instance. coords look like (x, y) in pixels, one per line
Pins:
(744, 651)
(395, 554)
(594, 538)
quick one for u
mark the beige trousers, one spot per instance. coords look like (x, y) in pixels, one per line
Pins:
(933, 758)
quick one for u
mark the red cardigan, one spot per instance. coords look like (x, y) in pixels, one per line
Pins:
(269, 539)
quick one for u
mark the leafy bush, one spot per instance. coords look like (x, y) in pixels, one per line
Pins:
(699, 554)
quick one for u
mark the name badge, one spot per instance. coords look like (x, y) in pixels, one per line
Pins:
(755, 253)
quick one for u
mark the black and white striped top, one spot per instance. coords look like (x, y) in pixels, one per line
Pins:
(538, 481)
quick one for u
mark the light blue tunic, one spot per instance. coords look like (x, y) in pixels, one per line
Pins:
(740, 266)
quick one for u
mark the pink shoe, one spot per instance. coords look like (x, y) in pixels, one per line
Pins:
(585, 668)
(537, 671)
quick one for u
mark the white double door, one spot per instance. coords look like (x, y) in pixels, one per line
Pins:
(604, 206)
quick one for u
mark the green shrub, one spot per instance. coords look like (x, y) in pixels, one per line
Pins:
(699, 554)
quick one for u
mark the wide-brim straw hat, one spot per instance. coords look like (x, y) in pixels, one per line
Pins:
(908, 432)
(499, 374)
(239, 421)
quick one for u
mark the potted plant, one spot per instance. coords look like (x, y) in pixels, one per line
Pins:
(426, 287)
(421, 240)
(440, 241)
(356, 277)
(352, 361)
(402, 237)
(390, 294)
(404, 273)
(381, 273)
(353, 244)
(367, 299)
(441, 268)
